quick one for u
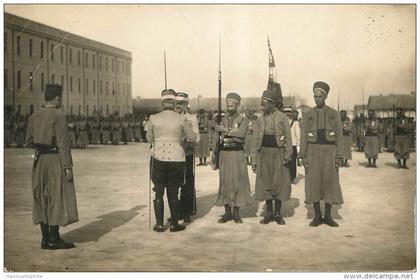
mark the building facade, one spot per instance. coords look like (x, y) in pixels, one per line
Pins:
(96, 77)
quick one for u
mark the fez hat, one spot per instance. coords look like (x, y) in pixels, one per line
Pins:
(52, 91)
(181, 96)
(233, 96)
(324, 87)
(168, 94)
(276, 88)
(270, 95)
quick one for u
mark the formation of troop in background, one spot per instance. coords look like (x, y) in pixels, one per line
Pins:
(271, 143)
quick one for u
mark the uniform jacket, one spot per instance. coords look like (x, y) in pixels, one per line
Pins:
(48, 126)
(333, 130)
(371, 126)
(166, 131)
(347, 126)
(193, 124)
(282, 133)
(237, 127)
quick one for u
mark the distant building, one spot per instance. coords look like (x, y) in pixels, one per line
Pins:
(95, 77)
(384, 105)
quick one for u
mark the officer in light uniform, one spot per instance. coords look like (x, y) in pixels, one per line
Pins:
(295, 134)
(166, 131)
(188, 198)
(321, 150)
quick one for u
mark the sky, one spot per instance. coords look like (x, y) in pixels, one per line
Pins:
(354, 48)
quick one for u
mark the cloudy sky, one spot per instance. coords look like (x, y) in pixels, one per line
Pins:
(349, 46)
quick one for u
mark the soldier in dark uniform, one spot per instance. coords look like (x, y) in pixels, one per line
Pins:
(248, 136)
(402, 129)
(271, 153)
(188, 195)
(234, 186)
(116, 131)
(166, 131)
(82, 134)
(71, 129)
(371, 138)
(20, 131)
(203, 147)
(321, 150)
(54, 198)
(106, 131)
(348, 136)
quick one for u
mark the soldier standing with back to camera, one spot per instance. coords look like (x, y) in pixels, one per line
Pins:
(203, 148)
(54, 198)
(401, 138)
(166, 131)
(188, 198)
(271, 153)
(321, 150)
(371, 138)
(234, 186)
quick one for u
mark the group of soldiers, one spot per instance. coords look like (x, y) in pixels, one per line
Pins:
(84, 131)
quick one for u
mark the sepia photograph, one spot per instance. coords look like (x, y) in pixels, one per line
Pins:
(192, 137)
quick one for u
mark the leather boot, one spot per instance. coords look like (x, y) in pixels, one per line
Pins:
(55, 242)
(399, 163)
(374, 163)
(236, 216)
(227, 216)
(45, 231)
(174, 208)
(277, 216)
(158, 206)
(318, 216)
(269, 216)
(327, 217)
(369, 162)
(405, 164)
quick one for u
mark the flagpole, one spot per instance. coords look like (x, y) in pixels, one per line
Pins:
(164, 62)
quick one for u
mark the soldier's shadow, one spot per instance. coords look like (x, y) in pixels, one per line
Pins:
(334, 211)
(204, 205)
(364, 164)
(391, 164)
(287, 207)
(106, 223)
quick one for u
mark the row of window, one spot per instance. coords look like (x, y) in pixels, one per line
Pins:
(53, 80)
(124, 68)
(124, 109)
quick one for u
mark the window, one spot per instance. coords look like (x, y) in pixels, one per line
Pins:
(100, 63)
(107, 110)
(86, 60)
(42, 81)
(123, 70)
(93, 61)
(62, 54)
(128, 68)
(87, 86)
(18, 45)
(94, 87)
(78, 58)
(52, 79)
(79, 84)
(31, 84)
(71, 56)
(42, 49)
(5, 79)
(80, 109)
(30, 47)
(94, 108)
(87, 110)
(112, 67)
(62, 81)
(118, 88)
(71, 109)
(71, 84)
(123, 86)
(106, 64)
(113, 88)
(5, 42)
(52, 51)
(19, 79)
(100, 87)
(106, 88)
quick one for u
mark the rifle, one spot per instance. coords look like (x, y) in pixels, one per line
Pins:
(216, 148)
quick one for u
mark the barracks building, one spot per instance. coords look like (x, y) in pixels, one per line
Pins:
(95, 77)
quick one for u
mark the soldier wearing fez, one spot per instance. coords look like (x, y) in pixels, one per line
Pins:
(271, 154)
(348, 136)
(321, 150)
(166, 131)
(54, 198)
(371, 138)
(401, 138)
(234, 186)
(188, 199)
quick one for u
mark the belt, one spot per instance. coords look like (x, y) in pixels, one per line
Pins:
(232, 146)
(371, 134)
(346, 133)
(45, 149)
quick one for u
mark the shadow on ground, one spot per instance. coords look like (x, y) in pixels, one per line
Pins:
(287, 207)
(106, 223)
(392, 164)
(334, 211)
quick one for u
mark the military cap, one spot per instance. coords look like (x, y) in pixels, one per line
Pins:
(270, 95)
(181, 96)
(324, 87)
(52, 91)
(287, 109)
(168, 94)
(233, 96)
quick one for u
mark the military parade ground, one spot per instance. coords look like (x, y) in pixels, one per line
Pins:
(112, 185)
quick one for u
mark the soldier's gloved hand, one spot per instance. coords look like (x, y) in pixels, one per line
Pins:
(221, 128)
(338, 162)
(69, 174)
(254, 167)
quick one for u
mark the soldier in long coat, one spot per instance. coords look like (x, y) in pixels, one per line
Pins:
(116, 131)
(248, 136)
(271, 153)
(54, 198)
(203, 147)
(371, 138)
(348, 137)
(106, 131)
(20, 131)
(82, 134)
(401, 138)
(188, 193)
(234, 186)
(166, 131)
(321, 150)
(71, 129)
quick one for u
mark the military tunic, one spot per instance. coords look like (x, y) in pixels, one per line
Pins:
(401, 138)
(234, 186)
(106, 132)
(321, 144)
(271, 146)
(116, 132)
(348, 138)
(203, 147)
(248, 138)
(54, 198)
(82, 136)
(371, 138)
